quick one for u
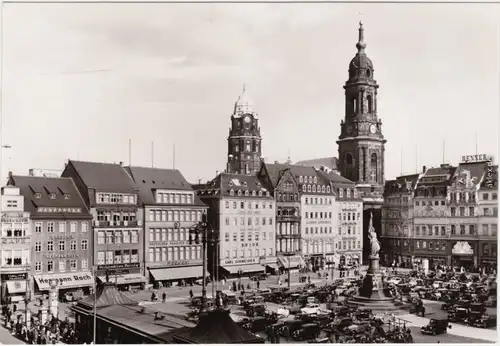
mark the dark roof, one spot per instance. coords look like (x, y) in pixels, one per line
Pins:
(402, 184)
(276, 170)
(222, 184)
(438, 176)
(329, 162)
(107, 295)
(148, 179)
(217, 327)
(66, 194)
(490, 179)
(473, 171)
(104, 177)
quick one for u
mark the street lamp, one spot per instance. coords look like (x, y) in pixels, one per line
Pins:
(204, 234)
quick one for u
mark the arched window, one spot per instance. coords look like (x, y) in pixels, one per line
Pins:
(349, 160)
(373, 167)
(354, 105)
(308, 188)
(369, 99)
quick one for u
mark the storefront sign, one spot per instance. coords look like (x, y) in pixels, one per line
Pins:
(14, 276)
(64, 280)
(475, 158)
(61, 255)
(178, 263)
(462, 248)
(15, 240)
(14, 218)
(239, 261)
(118, 266)
(61, 237)
(177, 242)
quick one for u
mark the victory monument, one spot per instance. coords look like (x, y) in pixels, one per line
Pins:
(372, 294)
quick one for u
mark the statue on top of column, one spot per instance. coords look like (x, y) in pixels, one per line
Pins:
(374, 243)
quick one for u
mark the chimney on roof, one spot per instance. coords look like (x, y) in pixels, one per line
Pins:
(121, 163)
(276, 162)
(424, 169)
(216, 173)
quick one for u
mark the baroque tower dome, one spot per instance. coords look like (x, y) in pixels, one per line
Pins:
(244, 105)
(361, 67)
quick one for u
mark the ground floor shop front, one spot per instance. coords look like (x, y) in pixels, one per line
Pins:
(124, 276)
(238, 267)
(177, 275)
(64, 282)
(14, 286)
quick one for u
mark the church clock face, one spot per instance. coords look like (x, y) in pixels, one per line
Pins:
(247, 119)
(373, 129)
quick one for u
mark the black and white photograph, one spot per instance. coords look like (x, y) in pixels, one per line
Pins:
(248, 172)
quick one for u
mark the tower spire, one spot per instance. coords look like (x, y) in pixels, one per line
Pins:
(361, 45)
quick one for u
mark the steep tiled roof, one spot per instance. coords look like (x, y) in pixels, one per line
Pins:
(473, 172)
(442, 175)
(336, 178)
(147, 180)
(217, 327)
(37, 193)
(107, 295)
(330, 162)
(275, 170)
(222, 184)
(402, 184)
(106, 177)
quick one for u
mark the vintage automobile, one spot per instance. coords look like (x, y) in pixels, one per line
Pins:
(311, 309)
(484, 321)
(340, 324)
(308, 331)
(291, 326)
(436, 326)
(458, 314)
(256, 310)
(258, 324)
(259, 277)
(363, 315)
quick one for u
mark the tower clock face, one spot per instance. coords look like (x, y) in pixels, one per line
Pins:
(373, 129)
(247, 119)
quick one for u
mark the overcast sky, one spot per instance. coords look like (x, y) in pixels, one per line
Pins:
(81, 79)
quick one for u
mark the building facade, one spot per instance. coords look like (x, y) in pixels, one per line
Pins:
(15, 247)
(171, 208)
(242, 214)
(397, 221)
(348, 230)
(61, 234)
(118, 239)
(282, 184)
(244, 141)
(488, 217)
(361, 142)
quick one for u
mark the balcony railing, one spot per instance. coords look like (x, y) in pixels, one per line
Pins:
(288, 236)
(134, 223)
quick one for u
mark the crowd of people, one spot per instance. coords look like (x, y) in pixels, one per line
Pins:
(53, 331)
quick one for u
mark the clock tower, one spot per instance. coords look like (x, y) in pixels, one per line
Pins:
(244, 141)
(361, 143)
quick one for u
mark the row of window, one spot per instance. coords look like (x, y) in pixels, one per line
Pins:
(62, 227)
(318, 230)
(73, 265)
(436, 246)
(17, 232)
(174, 198)
(163, 254)
(393, 200)
(118, 257)
(320, 200)
(250, 253)
(490, 211)
(62, 245)
(174, 215)
(116, 216)
(116, 198)
(15, 257)
(118, 237)
(257, 221)
(486, 196)
(316, 188)
(429, 203)
(462, 196)
(287, 197)
(349, 217)
(348, 245)
(348, 193)
(462, 211)
(490, 231)
(248, 205)
(168, 234)
(318, 215)
(250, 236)
(248, 193)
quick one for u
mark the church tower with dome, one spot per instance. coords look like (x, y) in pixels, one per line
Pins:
(361, 142)
(244, 141)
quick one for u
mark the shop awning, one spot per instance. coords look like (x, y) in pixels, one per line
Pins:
(18, 286)
(272, 265)
(249, 268)
(124, 279)
(67, 280)
(291, 262)
(177, 273)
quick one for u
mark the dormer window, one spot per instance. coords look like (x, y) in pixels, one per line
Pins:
(38, 195)
(52, 196)
(308, 188)
(341, 192)
(247, 193)
(254, 193)
(315, 180)
(328, 189)
(258, 184)
(230, 183)
(310, 180)
(245, 184)
(268, 194)
(260, 193)
(355, 193)
(66, 196)
(231, 192)
(314, 188)
(323, 189)
(239, 192)
(304, 188)
(301, 179)
(348, 192)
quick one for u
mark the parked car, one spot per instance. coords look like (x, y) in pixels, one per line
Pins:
(435, 327)
(311, 309)
(307, 332)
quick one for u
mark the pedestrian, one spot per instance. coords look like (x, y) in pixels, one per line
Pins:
(14, 308)
(258, 284)
(191, 295)
(164, 297)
